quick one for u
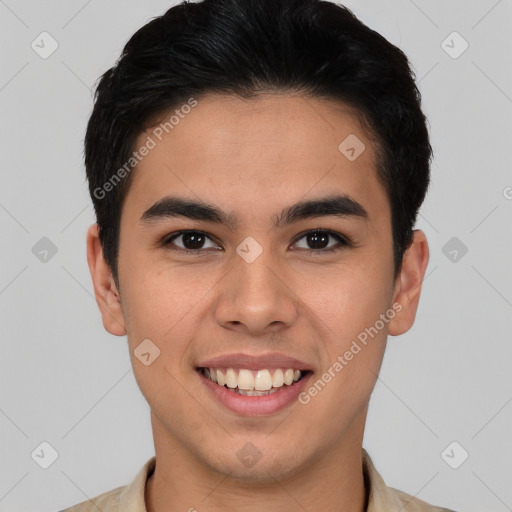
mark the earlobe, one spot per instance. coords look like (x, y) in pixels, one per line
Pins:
(105, 289)
(408, 285)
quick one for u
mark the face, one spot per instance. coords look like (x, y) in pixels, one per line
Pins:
(286, 263)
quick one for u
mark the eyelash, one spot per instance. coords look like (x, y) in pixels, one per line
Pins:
(343, 241)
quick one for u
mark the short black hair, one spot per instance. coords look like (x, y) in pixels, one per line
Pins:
(242, 47)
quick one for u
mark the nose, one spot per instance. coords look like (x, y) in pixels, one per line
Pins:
(256, 297)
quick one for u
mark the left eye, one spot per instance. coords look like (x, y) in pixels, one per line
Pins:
(319, 239)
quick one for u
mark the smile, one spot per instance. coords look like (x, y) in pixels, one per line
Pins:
(254, 402)
(253, 382)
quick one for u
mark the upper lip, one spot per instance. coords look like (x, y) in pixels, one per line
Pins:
(251, 362)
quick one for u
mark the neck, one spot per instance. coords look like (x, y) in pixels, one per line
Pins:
(333, 481)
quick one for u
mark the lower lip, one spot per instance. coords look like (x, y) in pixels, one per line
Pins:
(256, 405)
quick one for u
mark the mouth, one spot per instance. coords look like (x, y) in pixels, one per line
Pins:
(248, 382)
(250, 392)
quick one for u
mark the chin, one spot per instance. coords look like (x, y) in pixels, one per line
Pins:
(251, 465)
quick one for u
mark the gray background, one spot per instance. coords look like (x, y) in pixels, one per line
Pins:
(64, 380)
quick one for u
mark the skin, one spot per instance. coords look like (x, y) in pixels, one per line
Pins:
(253, 158)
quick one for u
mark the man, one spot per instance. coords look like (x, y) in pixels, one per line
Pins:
(256, 168)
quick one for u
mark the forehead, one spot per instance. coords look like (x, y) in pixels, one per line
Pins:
(275, 148)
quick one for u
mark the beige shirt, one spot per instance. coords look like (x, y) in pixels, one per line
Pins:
(130, 498)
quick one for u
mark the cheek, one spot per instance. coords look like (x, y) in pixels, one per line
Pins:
(167, 306)
(155, 299)
(347, 299)
(353, 344)
(161, 312)
(154, 311)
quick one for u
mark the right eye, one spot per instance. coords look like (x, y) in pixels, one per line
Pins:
(192, 241)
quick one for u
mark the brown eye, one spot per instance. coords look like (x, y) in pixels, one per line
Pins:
(318, 241)
(191, 241)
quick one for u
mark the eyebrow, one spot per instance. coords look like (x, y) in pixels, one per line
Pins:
(173, 206)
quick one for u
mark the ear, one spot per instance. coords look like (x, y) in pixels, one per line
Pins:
(408, 284)
(105, 290)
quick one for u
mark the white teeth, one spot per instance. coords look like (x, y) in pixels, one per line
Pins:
(253, 383)
(221, 380)
(254, 392)
(288, 377)
(231, 378)
(263, 380)
(278, 378)
(245, 380)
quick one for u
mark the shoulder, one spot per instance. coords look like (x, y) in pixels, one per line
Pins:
(106, 502)
(388, 499)
(127, 497)
(411, 504)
